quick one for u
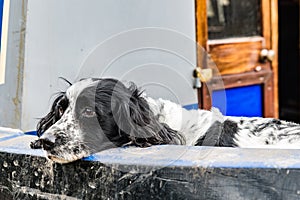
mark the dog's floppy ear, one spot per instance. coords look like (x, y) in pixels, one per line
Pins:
(53, 116)
(135, 119)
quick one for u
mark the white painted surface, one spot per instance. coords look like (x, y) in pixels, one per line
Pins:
(63, 36)
(12, 60)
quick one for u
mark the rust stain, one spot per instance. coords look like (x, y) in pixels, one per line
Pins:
(17, 99)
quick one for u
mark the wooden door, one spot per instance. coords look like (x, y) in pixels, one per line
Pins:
(234, 34)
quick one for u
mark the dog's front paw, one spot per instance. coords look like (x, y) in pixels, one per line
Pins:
(37, 144)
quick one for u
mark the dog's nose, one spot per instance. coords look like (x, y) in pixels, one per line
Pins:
(47, 144)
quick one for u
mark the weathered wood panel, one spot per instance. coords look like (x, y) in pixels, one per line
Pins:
(239, 80)
(233, 56)
(266, 22)
(274, 47)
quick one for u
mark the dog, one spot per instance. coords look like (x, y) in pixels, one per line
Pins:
(95, 114)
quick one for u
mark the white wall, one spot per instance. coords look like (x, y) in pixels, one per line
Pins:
(13, 62)
(75, 39)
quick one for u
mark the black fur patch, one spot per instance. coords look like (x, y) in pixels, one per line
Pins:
(219, 134)
(212, 135)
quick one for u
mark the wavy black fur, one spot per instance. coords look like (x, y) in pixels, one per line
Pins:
(129, 119)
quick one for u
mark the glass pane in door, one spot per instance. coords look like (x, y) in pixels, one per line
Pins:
(233, 18)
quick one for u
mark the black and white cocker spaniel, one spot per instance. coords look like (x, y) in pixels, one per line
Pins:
(97, 114)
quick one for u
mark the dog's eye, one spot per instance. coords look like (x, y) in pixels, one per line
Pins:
(61, 111)
(88, 112)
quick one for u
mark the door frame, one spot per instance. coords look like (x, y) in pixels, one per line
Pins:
(268, 76)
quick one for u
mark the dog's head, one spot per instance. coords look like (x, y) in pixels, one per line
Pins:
(97, 114)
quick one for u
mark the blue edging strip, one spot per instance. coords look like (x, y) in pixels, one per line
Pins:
(207, 157)
(14, 135)
(191, 106)
(31, 133)
(173, 155)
